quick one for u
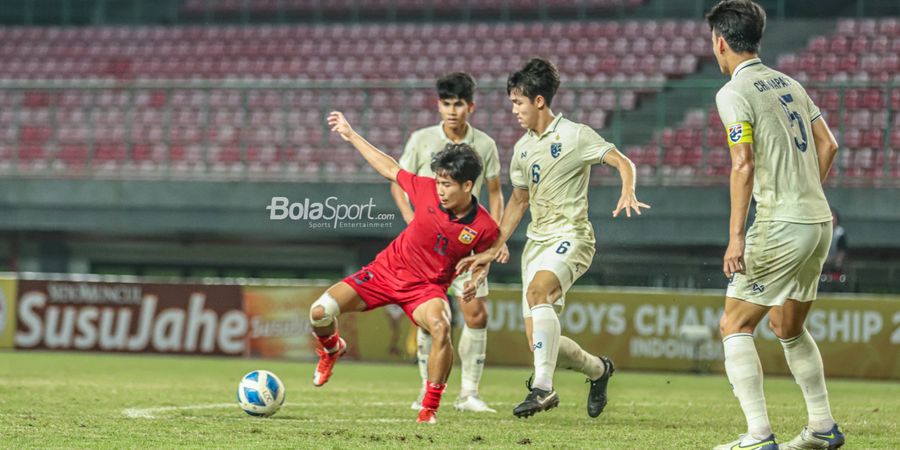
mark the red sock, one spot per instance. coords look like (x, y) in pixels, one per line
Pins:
(329, 343)
(433, 393)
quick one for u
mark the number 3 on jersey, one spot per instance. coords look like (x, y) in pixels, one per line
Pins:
(794, 116)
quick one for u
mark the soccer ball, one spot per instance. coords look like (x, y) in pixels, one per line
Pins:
(260, 393)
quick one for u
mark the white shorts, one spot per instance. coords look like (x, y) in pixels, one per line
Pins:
(458, 286)
(783, 261)
(567, 258)
(394, 311)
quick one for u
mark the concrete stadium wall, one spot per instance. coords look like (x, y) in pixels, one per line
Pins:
(681, 216)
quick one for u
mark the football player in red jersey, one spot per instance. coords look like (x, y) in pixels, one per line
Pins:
(416, 268)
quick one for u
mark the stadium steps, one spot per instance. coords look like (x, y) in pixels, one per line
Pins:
(781, 37)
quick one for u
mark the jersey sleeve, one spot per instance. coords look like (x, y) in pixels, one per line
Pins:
(592, 146)
(736, 115)
(417, 188)
(492, 162)
(409, 160)
(814, 112)
(516, 172)
(488, 239)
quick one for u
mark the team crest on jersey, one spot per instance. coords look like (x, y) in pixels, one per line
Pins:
(736, 132)
(555, 149)
(467, 235)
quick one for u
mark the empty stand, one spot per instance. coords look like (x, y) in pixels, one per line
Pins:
(281, 132)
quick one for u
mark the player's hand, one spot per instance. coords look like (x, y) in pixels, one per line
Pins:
(339, 124)
(503, 255)
(734, 257)
(628, 201)
(470, 288)
(475, 261)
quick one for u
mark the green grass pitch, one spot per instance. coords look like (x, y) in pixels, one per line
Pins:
(70, 400)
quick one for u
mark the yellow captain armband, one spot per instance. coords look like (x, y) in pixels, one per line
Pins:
(739, 133)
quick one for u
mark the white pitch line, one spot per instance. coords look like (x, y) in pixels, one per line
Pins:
(149, 413)
(152, 412)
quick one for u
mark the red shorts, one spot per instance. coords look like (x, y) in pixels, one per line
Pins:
(378, 290)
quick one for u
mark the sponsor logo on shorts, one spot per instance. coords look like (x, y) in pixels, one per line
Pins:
(362, 276)
(758, 288)
(537, 345)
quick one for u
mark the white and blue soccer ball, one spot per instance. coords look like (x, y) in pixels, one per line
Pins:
(260, 393)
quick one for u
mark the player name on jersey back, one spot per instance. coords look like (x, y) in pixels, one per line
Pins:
(772, 112)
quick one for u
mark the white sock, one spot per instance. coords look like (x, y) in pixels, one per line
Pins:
(472, 349)
(545, 338)
(802, 355)
(745, 373)
(573, 357)
(423, 350)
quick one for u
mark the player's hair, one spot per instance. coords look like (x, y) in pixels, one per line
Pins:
(537, 77)
(456, 85)
(457, 161)
(740, 22)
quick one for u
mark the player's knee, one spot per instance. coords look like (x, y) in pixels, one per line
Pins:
(786, 331)
(729, 325)
(722, 321)
(439, 330)
(476, 318)
(537, 295)
(323, 311)
(775, 327)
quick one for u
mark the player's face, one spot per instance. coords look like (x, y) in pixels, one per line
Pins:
(453, 194)
(525, 110)
(455, 111)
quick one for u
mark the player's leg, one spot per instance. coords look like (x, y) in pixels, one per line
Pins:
(394, 314)
(802, 353)
(434, 316)
(742, 364)
(567, 261)
(323, 314)
(423, 351)
(472, 352)
(772, 257)
(805, 361)
(541, 293)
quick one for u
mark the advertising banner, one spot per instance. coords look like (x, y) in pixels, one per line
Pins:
(7, 312)
(130, 317)
(279, 326)
(858, 337)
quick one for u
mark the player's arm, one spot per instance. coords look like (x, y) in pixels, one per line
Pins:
(628, 199)
(408, 161)
(512, 215)
(470, 288)
(495, 202)
(495, 199)
(402, 202)
(826, 146)
(742, 169)
(380, 161)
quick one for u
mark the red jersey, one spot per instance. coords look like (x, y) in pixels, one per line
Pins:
(429, 248)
